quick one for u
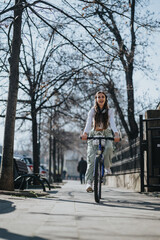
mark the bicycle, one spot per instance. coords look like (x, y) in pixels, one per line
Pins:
(99, 167)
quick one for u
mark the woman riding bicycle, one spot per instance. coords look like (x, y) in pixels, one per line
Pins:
(103, 121)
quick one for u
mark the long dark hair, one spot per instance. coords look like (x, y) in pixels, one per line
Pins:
(101, 115)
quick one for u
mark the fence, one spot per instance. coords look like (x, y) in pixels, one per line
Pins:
(127, 159)
(150, 145)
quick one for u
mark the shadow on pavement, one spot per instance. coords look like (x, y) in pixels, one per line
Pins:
(131, 205)
(119, 203)
(5, 234)
(52, 191)
(6, 206)
(130, 201)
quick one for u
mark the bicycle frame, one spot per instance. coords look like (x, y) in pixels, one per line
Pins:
(99, 154)
(99, 167)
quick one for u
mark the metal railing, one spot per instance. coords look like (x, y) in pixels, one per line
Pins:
(127, 159)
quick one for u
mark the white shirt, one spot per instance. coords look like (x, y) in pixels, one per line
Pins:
(90, 119)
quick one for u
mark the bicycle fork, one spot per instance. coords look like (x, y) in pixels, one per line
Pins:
(100, 155)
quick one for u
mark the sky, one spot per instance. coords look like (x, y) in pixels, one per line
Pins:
(147, 88)
(142, 84)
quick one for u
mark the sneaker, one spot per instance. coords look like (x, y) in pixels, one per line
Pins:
(89, 187)
(107, 171)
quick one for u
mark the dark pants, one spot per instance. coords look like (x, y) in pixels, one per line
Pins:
(82, 178)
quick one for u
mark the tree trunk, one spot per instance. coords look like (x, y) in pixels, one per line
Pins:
(58, 159)
(36, 160)
(129, 78)
(6, 181)
(50, 150)
(54, 159)
(131, 112)
(62, 163)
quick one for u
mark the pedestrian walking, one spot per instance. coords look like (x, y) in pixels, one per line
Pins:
(81, 168)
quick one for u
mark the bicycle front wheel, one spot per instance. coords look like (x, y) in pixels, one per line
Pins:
(97, 179)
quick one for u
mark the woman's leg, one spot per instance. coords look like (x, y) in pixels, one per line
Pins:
(108, 152)
(91, 153)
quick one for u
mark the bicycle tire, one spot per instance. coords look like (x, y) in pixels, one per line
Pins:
(97, 180)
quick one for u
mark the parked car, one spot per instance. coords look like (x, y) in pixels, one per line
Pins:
(29, 162)
(43, 171)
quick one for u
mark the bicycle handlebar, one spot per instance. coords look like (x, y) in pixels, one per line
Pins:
(99, 137)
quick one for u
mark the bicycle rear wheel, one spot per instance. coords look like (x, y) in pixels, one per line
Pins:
(97, 179)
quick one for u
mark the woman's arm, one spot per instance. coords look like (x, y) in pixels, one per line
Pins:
(111, 120)
(88, 124)
(113, 125)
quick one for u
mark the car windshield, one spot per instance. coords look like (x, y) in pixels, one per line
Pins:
(43, 167)
(28, 160)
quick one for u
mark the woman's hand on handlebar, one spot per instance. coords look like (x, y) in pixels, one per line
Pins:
(116, 137)
(84, 136)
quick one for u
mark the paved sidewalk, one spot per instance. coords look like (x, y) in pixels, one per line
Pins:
(71, 213)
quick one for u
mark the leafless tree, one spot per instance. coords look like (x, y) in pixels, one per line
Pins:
(118, 28)
(6, 180)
